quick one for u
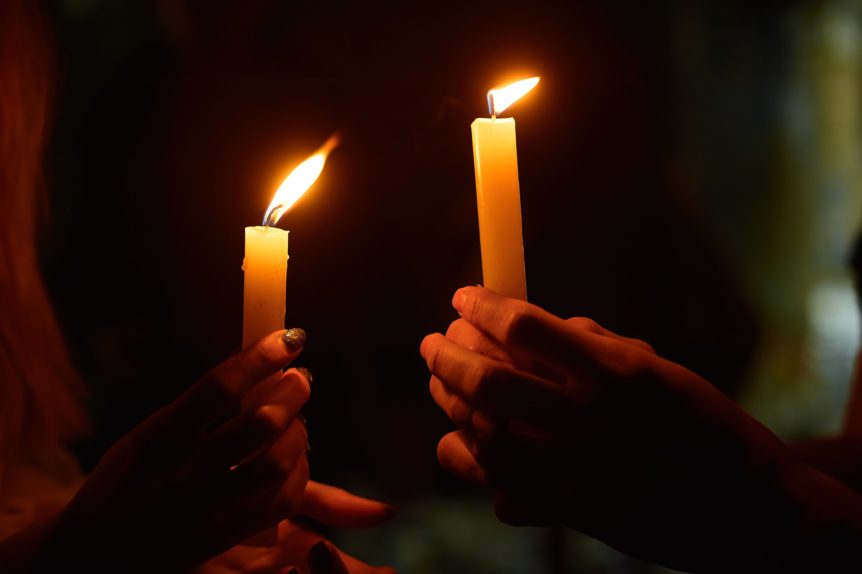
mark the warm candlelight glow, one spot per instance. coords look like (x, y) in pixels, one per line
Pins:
(501, 98)
(298, 182)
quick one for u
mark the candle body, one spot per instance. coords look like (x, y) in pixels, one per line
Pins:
(498, 196)
(265, 282)
(264, 296)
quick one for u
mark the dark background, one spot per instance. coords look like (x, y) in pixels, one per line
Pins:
(657, 192)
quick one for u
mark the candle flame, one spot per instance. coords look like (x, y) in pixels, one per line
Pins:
(501, 98)
(298, 181)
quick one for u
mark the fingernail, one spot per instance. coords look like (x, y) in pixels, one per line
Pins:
(294, 338)
(321, 557)
(305, 372)
(301, 416)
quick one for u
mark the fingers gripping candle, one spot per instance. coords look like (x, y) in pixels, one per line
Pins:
(495, 159)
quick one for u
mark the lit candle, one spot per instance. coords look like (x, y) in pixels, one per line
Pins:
(495, 159)
(265, 263)
(265, 273)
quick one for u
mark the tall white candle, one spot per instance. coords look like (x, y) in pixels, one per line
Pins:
(498, 197)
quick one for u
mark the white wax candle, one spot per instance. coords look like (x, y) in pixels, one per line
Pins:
(265, 282)
(499, 202)
(264, 297)
(498, 194)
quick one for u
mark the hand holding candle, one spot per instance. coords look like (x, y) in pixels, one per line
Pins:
(265, 267)
(498, 194)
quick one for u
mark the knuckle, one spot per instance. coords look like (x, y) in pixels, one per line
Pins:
(516, 321)
(276, 467)
(267, 420)
(265, 356)
(222, 387)
(288, 502)
(643, 345)
(481, 379)
(585, 324)
(461, 413)
(628, 364)
(472, 305)
(591, 326)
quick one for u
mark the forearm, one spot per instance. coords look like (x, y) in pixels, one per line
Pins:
(813, 523)
(840, 457)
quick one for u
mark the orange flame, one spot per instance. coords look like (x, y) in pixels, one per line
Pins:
(501, 98)
(297, 183)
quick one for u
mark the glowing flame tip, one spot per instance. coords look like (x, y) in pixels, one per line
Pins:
(501, 98)
(298, 181)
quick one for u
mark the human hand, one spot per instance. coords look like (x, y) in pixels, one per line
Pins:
(198, 476)
(299, 549)
(571, 424)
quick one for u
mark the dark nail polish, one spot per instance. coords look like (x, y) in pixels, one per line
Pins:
(306, 373)
(294, 338)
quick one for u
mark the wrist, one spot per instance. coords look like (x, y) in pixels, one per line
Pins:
(823, 521)
(801, 520)
(791, 518)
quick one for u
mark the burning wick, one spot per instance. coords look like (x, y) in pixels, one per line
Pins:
(300, 179)
(501, 98)
(269, 218)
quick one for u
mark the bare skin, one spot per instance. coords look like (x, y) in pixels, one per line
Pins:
(569, 423)
(196, 479)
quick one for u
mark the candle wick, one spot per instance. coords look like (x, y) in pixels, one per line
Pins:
(491, 109)
(269, 218)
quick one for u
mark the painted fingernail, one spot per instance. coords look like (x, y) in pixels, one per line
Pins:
(321, 558)
(306, 373)
(294, 338)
